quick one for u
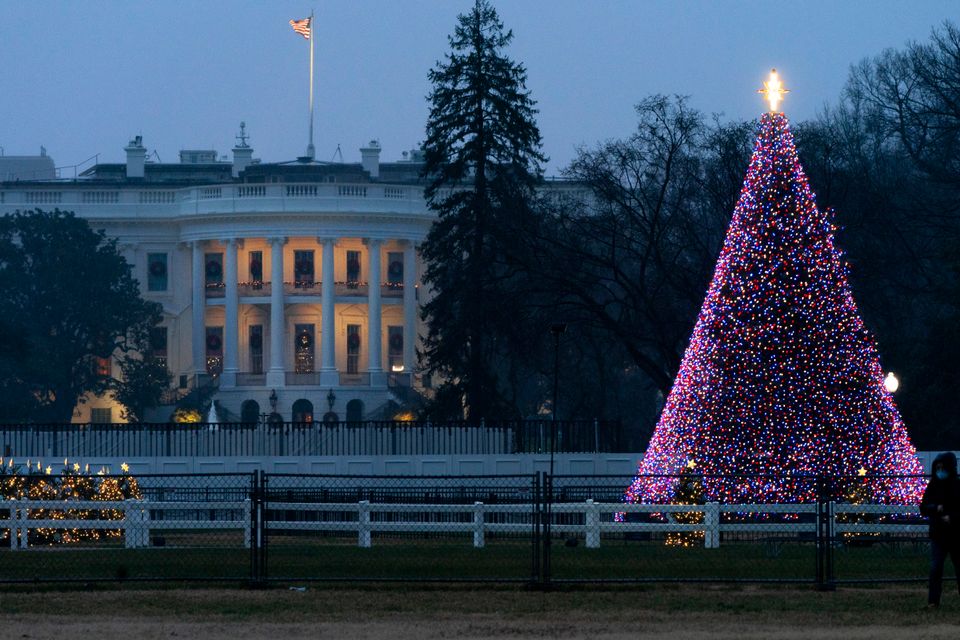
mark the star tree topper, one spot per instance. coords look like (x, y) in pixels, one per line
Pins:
(773, 90)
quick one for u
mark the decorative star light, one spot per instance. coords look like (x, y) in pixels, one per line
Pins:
(773, 90)
(124, 467)
(691, 464)
(76, 466)
(861, 472)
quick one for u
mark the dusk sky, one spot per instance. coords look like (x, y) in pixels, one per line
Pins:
(82, 78)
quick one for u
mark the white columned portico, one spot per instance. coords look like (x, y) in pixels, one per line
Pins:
(276, 374)
(374, 335)
(409, 307)
(329, 377)
(198, 300)
(232, 312)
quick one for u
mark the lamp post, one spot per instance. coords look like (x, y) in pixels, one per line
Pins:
(557, 329)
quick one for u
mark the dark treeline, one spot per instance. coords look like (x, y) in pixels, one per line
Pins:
(624, 251)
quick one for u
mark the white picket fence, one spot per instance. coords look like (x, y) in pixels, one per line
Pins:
(482, 519)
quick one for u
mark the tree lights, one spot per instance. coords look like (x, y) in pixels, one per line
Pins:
(781, 379)
(56, 492)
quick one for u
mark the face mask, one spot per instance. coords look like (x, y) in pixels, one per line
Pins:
(942, 474)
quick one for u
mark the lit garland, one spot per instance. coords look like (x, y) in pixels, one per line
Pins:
(39, 483)
(781, 379)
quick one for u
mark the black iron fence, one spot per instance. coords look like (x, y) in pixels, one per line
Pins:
(533, 529)
(309, 438)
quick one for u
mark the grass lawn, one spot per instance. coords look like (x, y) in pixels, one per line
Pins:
(329, 611)
(203, 556)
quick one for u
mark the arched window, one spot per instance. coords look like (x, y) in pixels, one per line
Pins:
(250, 412)
(303, 411)
(355, 411)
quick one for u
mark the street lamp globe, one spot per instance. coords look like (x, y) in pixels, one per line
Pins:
(891, 383)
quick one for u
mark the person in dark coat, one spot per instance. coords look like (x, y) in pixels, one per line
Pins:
(941, 505)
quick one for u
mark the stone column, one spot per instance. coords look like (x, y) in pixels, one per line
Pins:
(276, 374)
(231, 322)
(374, 338)
(199, 308)
(409, 308)
(329, 377)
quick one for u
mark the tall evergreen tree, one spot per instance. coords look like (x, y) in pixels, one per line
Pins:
(781, 376)
(482, 163)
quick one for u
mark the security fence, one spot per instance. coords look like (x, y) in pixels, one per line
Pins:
(310, 438)
(535, 529)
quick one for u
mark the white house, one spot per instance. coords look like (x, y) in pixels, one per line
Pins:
(298, 278)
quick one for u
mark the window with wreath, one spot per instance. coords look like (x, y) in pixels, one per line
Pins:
(303, 272)
(395, 269)
(156, 272)
(213, 269)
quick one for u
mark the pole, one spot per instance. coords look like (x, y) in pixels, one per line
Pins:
(553, 411)
(557, 328)
(310, 149)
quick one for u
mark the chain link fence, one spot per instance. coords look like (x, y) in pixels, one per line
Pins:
(81, 527)
(465, 528)
(536, 529)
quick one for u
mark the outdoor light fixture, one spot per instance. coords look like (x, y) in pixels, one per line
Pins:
(331, 399)
(891, 383)
(273, 400)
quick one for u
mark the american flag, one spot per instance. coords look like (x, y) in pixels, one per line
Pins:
(302, 27)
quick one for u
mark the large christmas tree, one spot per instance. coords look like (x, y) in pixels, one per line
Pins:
(781, 379)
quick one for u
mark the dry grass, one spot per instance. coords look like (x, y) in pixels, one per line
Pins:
(739, 613)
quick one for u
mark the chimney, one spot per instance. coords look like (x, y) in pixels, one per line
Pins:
(242, 152)
(136, 157)
(370, 159)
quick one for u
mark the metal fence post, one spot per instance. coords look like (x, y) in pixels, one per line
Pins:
(547, 517)
(824, 573)
(535, 531)
(256, 532)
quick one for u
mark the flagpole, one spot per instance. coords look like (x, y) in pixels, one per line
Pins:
(310, 149)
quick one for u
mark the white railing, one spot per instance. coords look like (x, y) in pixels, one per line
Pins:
(225, 198)
(100, 197)
(135, 525)
(157, 197)
(137, 520)
(43, 197)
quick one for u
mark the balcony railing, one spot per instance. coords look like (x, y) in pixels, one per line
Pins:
(226, 198)
(350, 288)
(341, 289)
(253, 289)
(251, 379)
(355, 379)
(302, 288)
(295, 379)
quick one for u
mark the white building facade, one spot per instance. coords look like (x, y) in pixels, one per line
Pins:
(299, 280)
